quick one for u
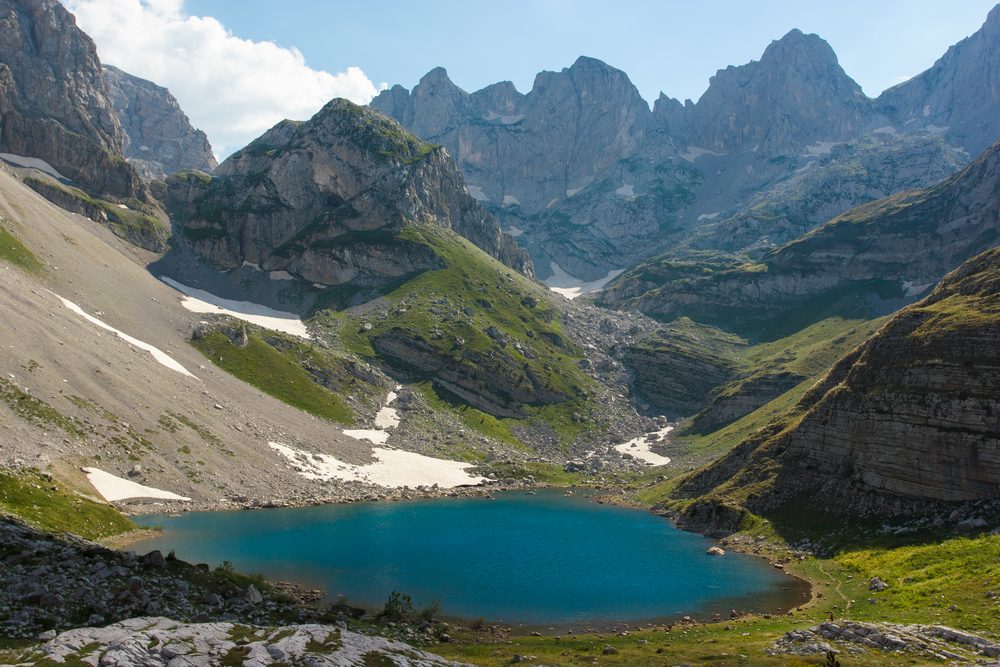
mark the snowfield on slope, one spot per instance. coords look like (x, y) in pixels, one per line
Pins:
(200, 301)
(112, 487)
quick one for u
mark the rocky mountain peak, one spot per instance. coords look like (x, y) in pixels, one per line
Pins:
(959, 96)
(159, 139)
(53, 100)
(796, 94)
(324, 200)
(797, 48)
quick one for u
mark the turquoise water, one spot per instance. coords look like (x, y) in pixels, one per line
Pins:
(526, 559)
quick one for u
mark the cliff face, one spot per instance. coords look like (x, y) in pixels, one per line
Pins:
(158, 137)
(795, 95)
(959, 96)
(53, 100)
(325, 199)
(911, 417)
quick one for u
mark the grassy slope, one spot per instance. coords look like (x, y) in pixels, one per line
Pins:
(924, 579)
(50, 506)
(16, 253)
(471, 279)
(276, 372)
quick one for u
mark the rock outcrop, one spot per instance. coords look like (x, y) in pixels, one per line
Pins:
(907, 421)
(959, 96)
(53, 101)
(158, 139)
(325, 201)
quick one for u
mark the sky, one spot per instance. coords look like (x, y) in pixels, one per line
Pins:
(239, 66)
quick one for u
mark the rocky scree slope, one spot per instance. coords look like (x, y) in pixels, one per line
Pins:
(906, 421)
(158, 137)
(324, 200)
(54, 104)
(892, 249)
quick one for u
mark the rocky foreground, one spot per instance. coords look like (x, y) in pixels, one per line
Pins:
(94, 605)
(160, 641)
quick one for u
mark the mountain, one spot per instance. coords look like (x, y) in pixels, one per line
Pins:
(895, 248)
(795, 95)
(324, 200)
(959, 96)
(907, 420)
(590, 180)
(159, 139)
(54, 104)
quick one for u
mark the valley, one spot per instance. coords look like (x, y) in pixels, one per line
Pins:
(555, 377)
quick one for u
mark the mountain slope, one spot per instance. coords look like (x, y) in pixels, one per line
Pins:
(53, 101)
(907, 420)
(959, 96)
(159, 139)
(890, 249)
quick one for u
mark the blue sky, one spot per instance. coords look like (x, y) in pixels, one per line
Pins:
(668, 45)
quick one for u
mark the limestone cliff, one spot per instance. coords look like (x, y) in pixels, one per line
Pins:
(53, 101)
(959, 96)
(324, 201)
(910, 418)
(158, 139)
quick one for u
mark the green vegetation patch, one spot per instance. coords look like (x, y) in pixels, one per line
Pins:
(37, 411)
(16, 253)
(452, 312)
(274, 372)
(50, 506)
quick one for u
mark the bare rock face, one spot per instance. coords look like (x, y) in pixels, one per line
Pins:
(959, 96)
(795, 95)
(53, 101)
(590, 179)
(907, 420)
(325, 201)
(158, 139)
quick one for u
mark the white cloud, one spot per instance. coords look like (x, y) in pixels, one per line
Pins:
(232, 88)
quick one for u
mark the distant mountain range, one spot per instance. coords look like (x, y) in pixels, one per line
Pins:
(591, 179)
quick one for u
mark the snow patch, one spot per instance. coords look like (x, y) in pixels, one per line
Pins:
(476, 193)
(820, 148)
(159, 355)
(695, 152)
(385, 419)
(625, 191)
(510, 199)
(912, 289)
(392, 468)
(640, 447)
(200, 301)
(937, 129)
(280, 275)
(709, 216)
(251, 265)
(505, 119)
(573, 191)
(927, 110)
(570, 287)
(888, 129)
(32, 163)
(514, 231)
(114, 488)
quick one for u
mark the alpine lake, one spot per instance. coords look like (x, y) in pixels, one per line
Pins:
(542, 559)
